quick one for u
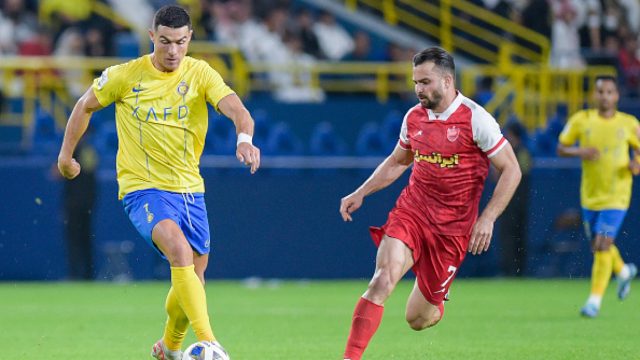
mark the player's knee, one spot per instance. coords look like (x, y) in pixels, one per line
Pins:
(602, 243)
(382, 282)
(180, 255)
(603, 246)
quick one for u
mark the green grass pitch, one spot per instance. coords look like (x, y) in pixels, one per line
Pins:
(485, 319)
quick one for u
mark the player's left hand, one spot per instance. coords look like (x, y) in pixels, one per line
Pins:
(249, 155)
(634, 166)
(481, 236)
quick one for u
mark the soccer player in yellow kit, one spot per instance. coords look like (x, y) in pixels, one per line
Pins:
(605, 138)
(161, 118)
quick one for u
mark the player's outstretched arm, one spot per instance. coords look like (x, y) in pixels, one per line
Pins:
(634, 162)
(384, 175)
(587, 153)
(76, 127)
(506, 164)
(234, 109)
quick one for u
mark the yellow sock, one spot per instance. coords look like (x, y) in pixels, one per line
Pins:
(616, 259)
(193, 300)
(601, 272)
(177, 322)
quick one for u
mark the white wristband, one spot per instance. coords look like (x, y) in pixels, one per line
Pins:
(242, 137)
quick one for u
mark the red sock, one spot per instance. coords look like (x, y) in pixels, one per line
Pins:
(366, 319)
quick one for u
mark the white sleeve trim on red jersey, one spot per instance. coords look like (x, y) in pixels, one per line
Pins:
(486, 131)
(496, 149)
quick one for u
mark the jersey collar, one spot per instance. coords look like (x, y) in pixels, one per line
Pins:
(450, 110)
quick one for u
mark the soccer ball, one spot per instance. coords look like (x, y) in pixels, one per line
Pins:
(205, 350)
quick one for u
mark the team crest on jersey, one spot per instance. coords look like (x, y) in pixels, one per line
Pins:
(452, 133)
(183, 88)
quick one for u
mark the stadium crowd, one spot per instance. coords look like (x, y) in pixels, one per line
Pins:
(582, 32)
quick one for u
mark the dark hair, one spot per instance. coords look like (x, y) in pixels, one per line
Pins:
(607, 78)
(171, 16)
(438, 56)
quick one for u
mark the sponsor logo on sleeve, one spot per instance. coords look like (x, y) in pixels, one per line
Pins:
(103, 79)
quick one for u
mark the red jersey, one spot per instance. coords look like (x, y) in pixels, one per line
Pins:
(451, 161)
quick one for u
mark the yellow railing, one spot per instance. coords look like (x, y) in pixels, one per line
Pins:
(41, 82)
(533, 93)
(530, 92)
(455, 24)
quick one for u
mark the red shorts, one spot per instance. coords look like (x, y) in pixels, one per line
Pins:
(436, 257)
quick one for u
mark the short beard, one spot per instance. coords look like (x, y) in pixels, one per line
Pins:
(431, 103)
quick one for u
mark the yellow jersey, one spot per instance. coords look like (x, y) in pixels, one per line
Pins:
(161, 120)
(606, 182)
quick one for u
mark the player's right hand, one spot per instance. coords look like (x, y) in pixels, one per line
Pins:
(349, 204)
(249, 155)
(634, 166)
(590, 153)
(69, 168)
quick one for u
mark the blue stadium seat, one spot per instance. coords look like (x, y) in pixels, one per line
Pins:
(282, 141)
(391, 128)
(325, 142)
(126, 45)
(221, 137)
(262, 127)
(10, 140)
(370, 141)
(106, 139)
(46, 138)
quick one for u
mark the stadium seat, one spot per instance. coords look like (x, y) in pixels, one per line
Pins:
(221, 137)
(564, 245)
(370, 141)
(107, 139)
(325, 142)
(46, 138)
(126, 45)
(282, 141)
(262, 127)
(391, 128)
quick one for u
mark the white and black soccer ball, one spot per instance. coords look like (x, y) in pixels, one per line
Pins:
(205, 350)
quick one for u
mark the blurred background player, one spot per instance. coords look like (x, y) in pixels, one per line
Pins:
(161, 118)
(450, 140)
(604, 136)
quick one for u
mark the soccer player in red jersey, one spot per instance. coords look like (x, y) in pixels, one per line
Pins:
(450, 140)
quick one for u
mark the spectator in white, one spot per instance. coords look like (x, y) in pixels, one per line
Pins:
(229, 20)
(565, 39)
(71, 43)
(138, 13)
(221, 26)
(335, 41)
(17, 25)
(611, 18)
(264, 42)
(632, 10)
(589, 15)
(291, 77)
